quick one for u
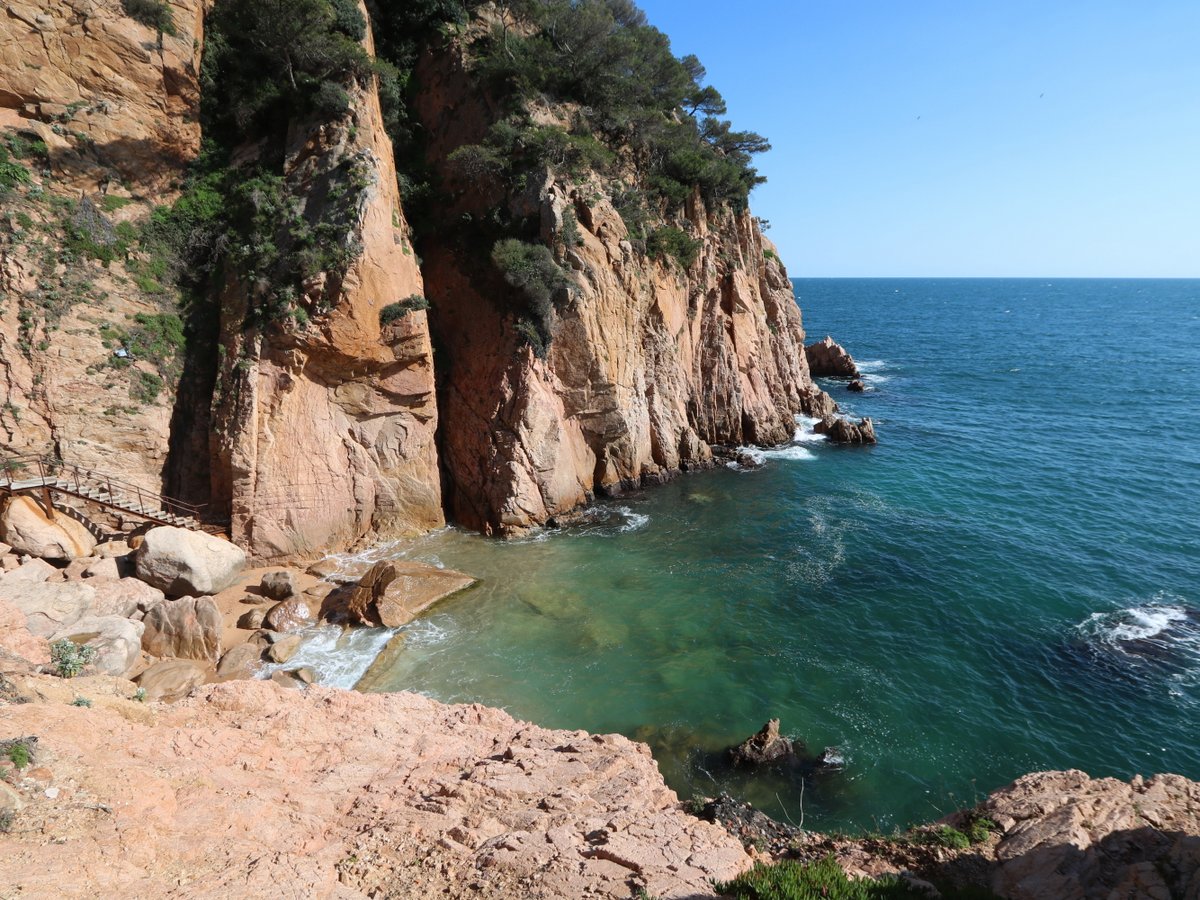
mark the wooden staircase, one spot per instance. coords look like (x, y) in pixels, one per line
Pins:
(46, 475)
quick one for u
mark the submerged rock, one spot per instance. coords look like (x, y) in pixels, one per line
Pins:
(857, 385)
(766, 747)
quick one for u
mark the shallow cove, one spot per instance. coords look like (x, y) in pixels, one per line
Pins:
(1006, 583)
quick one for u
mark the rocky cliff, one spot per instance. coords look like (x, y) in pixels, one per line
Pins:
(101, 115)
(651, 361)
(324, 427)
(327, 425)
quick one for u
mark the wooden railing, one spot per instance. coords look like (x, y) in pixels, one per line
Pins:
(25, 474)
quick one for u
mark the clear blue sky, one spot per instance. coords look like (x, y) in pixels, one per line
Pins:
(926, 137)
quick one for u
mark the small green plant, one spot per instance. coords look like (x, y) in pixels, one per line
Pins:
(111, 202)
(945, 836)
(396, 311)
(145, 386)
(820, 880)
(69, 658)
(6, 821)
(81, 701)
(140, 695)
(18, 753)
(771, 254)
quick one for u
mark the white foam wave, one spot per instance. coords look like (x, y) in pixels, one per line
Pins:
(338, 656)
(804, 433)
(1138, 623)
(426, 632)
(790, 452)
(871, 365)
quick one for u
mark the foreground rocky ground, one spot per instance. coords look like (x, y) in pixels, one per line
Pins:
(247, 789)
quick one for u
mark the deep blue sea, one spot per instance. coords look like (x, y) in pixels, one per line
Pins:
(1009, 581)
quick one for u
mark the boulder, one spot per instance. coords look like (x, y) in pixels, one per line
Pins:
(171, 679)
(123, 596)
(30, 571)
(25, 526)
(113, 549)
(49, 606)
(252, 619)
(764, 748)
(857, 385)
(285, 648)
(289, 615)
(827, 357)
(295, 679)
(116, 640)
(241, 661)
(16, 639)
(841, 430)
(394, 592)
(279, 585)
(181, 562)
(187, 628)
(105, 567)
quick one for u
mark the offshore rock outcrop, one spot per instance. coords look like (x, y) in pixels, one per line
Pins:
(828, 357)
(324, 432)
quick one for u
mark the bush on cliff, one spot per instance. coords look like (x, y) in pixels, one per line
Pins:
(821, 880)
(531, 269)
(673, 242)
(154, 14)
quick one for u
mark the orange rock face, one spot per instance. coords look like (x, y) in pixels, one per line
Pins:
(649, 365)
(88, 68)
(325, 432)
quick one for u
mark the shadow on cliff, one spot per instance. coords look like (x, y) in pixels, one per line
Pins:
(1139, 862)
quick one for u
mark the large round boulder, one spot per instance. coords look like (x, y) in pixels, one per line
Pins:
(186, 628)
(171, 679)
(26, 527)
(179, 562)
(49, 606)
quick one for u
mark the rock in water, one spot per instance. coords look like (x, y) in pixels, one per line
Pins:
(841, 430)
(857, 386)
(25, 526)
(179, 562)
(393, 593)
(828, 357)
(764, 748)
(187, 628)
(289, 615)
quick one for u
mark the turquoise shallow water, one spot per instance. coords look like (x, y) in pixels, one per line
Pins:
(1010, 581)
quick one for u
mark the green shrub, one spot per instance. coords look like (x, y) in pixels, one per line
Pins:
(821, 880)
(69, 658)
(18, 754)
(396, 311)
(145, 387)
(81, 701)
(154, 14)
(11, 173)
(945, 836)
(539, 280)
(675, 242)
